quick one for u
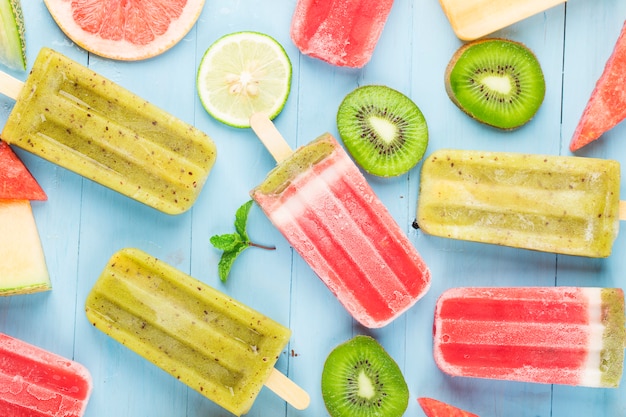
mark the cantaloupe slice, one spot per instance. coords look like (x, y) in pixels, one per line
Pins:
(23, 267)
(607, 105)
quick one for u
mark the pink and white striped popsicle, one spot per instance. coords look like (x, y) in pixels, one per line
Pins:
(323, 205)
(557, 335)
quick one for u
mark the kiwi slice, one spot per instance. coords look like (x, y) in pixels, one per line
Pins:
(498, 82)
(383, 130)
(361, 379)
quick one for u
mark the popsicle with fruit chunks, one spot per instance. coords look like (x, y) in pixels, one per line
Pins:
(216, 345)
(340, 32)
(323, 205)
(73, 117)
(559, 204)
(23, 267)
(38, 383)
(552, 335)
(607, 105)
(473, 19)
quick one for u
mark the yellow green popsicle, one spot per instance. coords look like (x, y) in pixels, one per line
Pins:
(559, 204)
(221, 348)
(73, 117)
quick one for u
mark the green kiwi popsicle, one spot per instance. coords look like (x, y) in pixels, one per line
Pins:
(73, 117)
(559, 204)
(221, 348)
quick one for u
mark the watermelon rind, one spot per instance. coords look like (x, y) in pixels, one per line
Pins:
(12, 35)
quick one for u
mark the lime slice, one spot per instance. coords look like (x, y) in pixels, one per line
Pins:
(241, 74)
(12, 42)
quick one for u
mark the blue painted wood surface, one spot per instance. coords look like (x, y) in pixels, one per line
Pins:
(83, 224)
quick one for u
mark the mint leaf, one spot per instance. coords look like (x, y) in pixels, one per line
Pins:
(232, 244)
(241, 219)
(227, 260)
(226, 242)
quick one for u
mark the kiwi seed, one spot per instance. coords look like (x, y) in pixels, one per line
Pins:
(383, 130)
(360, 379)
(498, 82)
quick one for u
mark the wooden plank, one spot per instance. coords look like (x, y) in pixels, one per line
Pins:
(82, 224)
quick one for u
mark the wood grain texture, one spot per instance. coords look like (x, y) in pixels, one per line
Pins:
(82, 224)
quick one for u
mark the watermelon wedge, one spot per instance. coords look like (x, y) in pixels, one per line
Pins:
(16, 182)
(22, 264)
(607, 105)
(434, 408)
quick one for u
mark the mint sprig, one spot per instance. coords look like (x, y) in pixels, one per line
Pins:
(232, 244)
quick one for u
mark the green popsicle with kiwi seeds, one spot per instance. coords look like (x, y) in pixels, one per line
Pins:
(71, 116)
(216, 345)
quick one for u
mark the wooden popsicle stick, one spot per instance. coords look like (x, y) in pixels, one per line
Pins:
(270, 136)
(288, 390)
(10, 86)
(622, 210)
(473, 19)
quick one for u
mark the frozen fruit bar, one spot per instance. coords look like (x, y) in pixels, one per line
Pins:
(554, 335)
(38, 383)
(560, 204)
(340, 32)
(473, 19)
(325, 208)
(221, 348)
(73, 117)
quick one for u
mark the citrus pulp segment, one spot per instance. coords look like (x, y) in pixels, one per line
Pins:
(12, 41)
(241, 74)
(125, 30)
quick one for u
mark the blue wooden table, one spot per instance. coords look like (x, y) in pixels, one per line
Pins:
(83, 224)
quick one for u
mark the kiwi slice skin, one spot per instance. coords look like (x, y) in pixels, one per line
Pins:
(384, 131)
(498, 82)
(360, 379)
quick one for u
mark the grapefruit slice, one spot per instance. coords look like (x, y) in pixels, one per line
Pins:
(435, 408)
(607, 105)
(125, 30)
(16, 183)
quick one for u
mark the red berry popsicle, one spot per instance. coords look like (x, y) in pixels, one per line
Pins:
(325, 208)
(340, 32)
(553, 335)
(38, 383)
